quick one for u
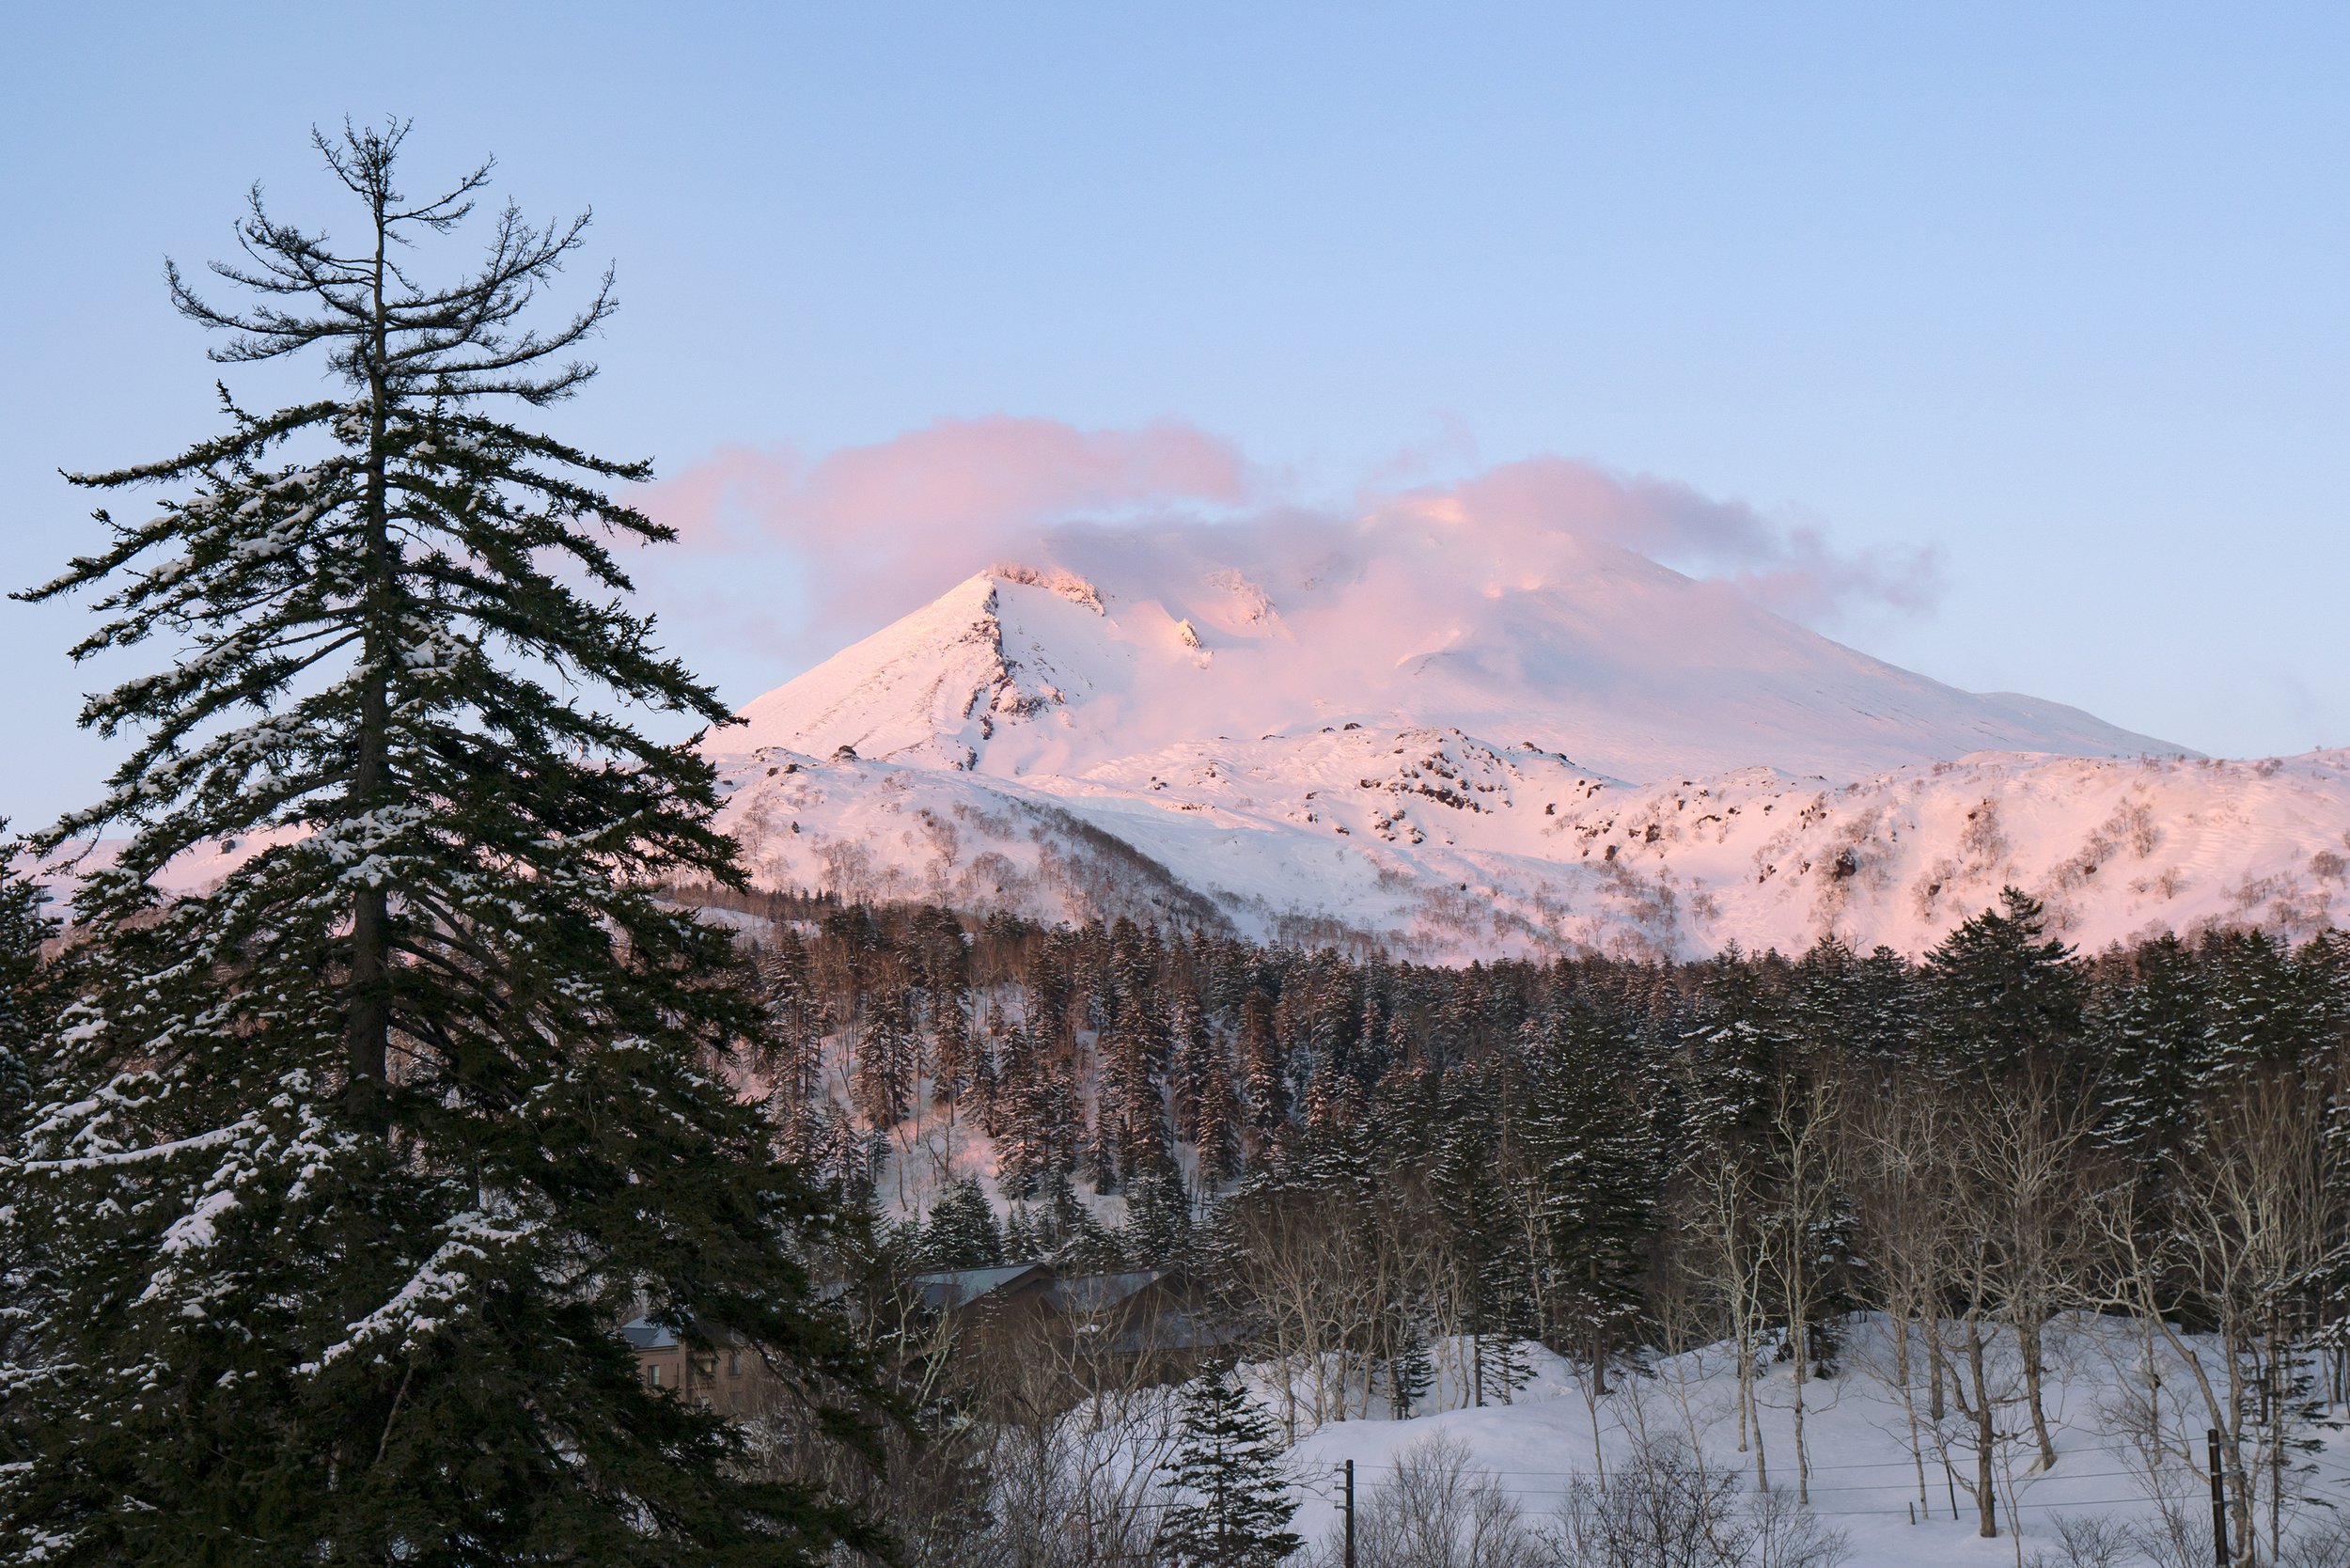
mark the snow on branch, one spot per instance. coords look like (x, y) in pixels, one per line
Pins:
(213, 1139)
(433, 1293)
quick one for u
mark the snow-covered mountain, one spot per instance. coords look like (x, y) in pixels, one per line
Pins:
(1452, 760)
(1602, 655)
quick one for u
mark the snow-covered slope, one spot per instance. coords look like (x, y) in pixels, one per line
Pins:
(1595, 754)
(1438, 845)
(1597, 653)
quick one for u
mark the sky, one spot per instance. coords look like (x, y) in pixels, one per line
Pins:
(2010, 344)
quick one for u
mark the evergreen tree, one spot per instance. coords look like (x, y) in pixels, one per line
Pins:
(1133, 1118)
(882, 1077)
(1729, 1051)
(1411, 1372)
(794, 1058)
(1190, 1062)
(28, 1259)
(1019, 1119)
(1234, 1509)
(1020, 1242)
(357, 1163)
(1158, 1220)
(1886, 992)
(2001, 993)
(2267, 1010)
(1067, 1231)
(1598, 1178)
(1494, 1281)
(962, 1232)
(1217, 1130)
(1263, 1077)
(2155, 1028)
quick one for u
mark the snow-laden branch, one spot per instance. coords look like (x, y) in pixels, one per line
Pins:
(434, 1293)
(213, 1139)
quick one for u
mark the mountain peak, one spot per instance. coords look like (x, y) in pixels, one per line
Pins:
(1120, 643)
(1066, 584)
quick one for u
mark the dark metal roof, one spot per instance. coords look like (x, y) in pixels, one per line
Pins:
(1098, 1293)
(951, 1288)
(647, 1336)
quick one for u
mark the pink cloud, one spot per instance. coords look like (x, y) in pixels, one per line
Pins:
(884, 526)
(870, 532)
(1794, 571)
(950, 478)
(999, 472)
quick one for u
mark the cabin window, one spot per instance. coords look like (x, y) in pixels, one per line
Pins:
(734, 1363)
(652, 1373)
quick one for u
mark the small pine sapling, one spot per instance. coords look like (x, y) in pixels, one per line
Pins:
(1233, 1506)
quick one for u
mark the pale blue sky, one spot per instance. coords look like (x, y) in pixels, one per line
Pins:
(2057, 290)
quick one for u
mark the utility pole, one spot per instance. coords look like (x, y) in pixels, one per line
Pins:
(1347, 1503)
(2219, 1504)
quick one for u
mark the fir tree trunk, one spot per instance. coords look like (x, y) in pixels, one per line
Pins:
(370, 1023)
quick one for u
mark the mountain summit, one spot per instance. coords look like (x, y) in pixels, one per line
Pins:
(1634, 670)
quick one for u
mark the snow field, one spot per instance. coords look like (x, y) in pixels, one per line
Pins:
(1862, 1477)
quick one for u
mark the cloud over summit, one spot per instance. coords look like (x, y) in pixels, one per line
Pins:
(873, 532)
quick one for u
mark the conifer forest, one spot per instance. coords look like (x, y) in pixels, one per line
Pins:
(479, 1167)
(1392, 1181)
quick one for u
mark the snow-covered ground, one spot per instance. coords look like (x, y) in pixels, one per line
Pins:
(1863, 1479)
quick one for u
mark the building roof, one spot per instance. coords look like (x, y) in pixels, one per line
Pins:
(947, 1289)
(642, 1334)
(1099, 1293)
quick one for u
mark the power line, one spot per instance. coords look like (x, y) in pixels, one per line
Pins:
(1819, 1469)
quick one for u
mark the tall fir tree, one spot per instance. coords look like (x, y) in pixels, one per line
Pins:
(2268, 1010)
(2002, 989)
(1264, 1078)
(1192, 1057)
(1232, 1508)
(1217, 1128)
(359, 1160)
(2153, 1026)
(1598, 1180)
(1022, 1114)
(888, 1053)
(1158, 1220)
(1492, 1282)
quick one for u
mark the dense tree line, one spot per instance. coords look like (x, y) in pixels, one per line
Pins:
(1366, 1160)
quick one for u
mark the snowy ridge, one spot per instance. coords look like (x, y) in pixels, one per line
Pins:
(935, 687)
(1434, 844)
